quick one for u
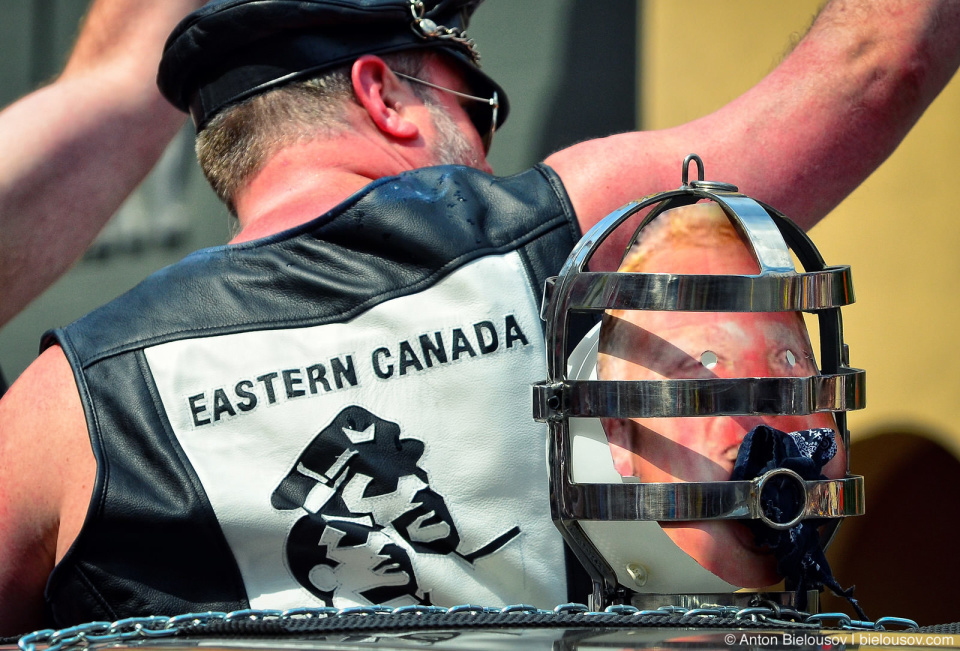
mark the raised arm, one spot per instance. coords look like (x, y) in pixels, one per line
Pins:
(76, 148)
(805, 136)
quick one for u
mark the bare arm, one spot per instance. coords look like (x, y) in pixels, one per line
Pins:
(47, 470)
(74, 150)
(804, 137)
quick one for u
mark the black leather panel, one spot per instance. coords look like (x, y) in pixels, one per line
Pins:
(151, 544)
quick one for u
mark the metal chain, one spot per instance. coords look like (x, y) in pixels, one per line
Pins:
(139, 628)
(426, 28)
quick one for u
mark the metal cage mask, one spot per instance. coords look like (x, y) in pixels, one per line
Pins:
(612, 525)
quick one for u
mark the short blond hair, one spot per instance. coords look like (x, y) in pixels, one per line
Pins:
(701, 225)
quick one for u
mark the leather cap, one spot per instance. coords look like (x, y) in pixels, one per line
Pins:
(231, 50)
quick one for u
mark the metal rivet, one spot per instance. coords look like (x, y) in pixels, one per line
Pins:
(638, 573)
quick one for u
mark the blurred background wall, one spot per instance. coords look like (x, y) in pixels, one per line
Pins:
(577, 69)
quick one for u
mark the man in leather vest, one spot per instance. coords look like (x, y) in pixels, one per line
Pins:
(351, 374)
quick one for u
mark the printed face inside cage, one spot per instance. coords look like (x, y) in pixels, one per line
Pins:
(649, 345)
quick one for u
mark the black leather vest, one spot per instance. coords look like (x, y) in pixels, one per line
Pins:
(337, 414)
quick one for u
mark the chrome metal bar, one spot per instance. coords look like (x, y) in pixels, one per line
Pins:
(687, 501)
(843, 391)
(753, 221)
(817, 290)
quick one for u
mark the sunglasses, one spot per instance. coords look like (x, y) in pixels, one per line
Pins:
(482, 113)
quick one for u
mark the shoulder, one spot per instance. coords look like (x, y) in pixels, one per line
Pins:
(43, 435)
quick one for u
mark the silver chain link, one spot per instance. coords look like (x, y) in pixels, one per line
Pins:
(140, 628)
(426, 28)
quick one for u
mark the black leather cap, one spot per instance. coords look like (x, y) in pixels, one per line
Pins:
(230, 50)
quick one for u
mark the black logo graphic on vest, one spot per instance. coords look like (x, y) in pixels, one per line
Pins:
(366, 501)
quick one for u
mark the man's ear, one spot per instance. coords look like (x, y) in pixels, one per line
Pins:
(384, 97)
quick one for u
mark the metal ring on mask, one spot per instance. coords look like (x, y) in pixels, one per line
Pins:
(803, 512)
